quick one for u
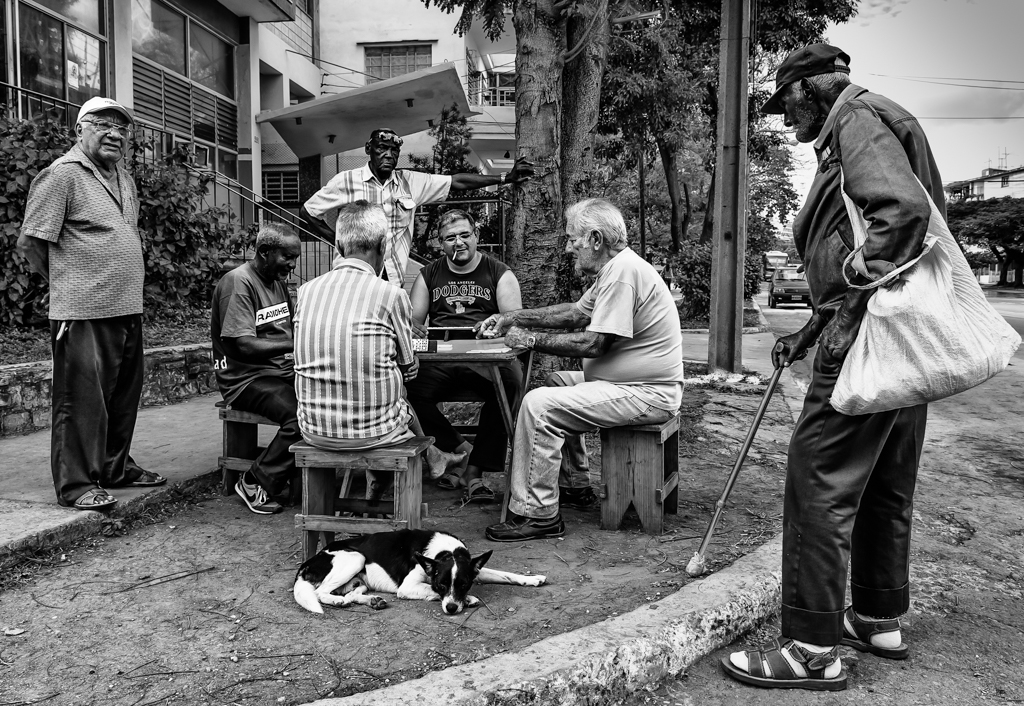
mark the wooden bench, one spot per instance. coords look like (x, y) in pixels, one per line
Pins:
(319, 501)
(240, 444)
(640, 466)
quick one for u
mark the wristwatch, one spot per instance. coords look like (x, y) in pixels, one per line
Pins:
(531, 341)
(501, 177)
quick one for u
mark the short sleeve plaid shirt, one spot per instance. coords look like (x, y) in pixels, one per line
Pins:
(400, 195)
(95, 252)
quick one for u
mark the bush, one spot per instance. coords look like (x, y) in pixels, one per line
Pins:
(184, 242)
(692, 269)
(26, 148)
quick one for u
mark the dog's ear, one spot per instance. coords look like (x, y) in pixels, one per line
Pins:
(478, 563)
(429, 565)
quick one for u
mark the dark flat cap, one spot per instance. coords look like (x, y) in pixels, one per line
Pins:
(812, 60)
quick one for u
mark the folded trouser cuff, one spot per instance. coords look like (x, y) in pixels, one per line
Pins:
(535, 513)
(812, 626)
(880, 602)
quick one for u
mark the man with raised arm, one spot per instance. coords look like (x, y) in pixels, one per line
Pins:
(398, 191)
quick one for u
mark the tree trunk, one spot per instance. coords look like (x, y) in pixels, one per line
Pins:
(669, 162)
(536, 230)
(707, 233)
(687, 212)
(581, 102)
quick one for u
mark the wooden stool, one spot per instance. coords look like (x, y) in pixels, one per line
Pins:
(640, 465)
(318, 490)
(241, 447)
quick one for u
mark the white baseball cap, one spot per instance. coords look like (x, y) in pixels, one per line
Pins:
(98, 104)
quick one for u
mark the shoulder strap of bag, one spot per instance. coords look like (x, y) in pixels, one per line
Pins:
(855, 260)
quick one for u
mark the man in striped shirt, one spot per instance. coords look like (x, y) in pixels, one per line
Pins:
(353, 345)
(398, 191)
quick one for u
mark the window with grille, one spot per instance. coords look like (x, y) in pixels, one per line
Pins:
(1005, 182)
(282, 188)
(390, 61)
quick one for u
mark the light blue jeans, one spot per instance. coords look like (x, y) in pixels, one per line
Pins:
(549, 450)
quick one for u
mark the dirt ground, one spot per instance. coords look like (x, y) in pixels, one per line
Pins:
(195, 606)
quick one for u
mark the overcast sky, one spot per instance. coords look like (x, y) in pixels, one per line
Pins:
(904, 49)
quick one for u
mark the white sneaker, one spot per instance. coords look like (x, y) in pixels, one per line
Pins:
(256, 498)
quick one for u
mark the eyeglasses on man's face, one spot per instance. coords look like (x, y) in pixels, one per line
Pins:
(122, 131)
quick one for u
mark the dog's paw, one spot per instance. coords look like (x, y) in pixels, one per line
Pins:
(537, 580)
(378, 603)
(472, 601)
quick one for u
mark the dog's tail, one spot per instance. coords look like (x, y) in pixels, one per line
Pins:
(305, 595)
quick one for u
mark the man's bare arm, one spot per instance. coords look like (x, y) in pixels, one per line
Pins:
(37, 253)
(577, 344)
(250, 349)
(318, 225)
(556, 316)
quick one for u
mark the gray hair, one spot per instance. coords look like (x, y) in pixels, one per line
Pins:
(449, 217)
(831, 84)
(361, 227)
(272, 235)
(598, 215)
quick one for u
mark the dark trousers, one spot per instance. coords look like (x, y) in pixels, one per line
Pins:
(849, 499)
(97, 383)
(434, 382)
(274, 398)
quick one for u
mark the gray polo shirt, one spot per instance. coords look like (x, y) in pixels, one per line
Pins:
(95, 252)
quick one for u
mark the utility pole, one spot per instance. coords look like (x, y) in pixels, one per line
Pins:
(725, 345)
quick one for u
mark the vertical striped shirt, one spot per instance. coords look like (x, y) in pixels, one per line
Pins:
(352, 330)
(403, 191)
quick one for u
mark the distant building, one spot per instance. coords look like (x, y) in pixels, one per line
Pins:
(994, 183)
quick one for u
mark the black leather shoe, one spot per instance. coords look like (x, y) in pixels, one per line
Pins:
(520, 529)
(578, 498)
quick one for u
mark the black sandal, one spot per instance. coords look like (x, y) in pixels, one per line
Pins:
(863, 630)
(781, 675)
(94, 499)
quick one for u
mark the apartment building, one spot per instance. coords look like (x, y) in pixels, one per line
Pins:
(195, 72)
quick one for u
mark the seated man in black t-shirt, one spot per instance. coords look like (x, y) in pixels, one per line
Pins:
(458, 290)
(251, 328)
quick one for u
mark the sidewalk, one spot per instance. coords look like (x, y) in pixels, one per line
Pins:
(603, 660)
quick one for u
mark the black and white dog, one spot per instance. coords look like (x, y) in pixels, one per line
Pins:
(419, 565)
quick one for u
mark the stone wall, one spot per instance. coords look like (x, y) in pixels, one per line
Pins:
(173, 374)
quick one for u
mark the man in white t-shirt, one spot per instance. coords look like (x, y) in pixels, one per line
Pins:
(398, 191)
(632, 354)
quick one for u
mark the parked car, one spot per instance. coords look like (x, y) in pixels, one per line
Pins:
(788, 285)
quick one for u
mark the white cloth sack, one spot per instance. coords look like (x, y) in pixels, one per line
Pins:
(928, 332)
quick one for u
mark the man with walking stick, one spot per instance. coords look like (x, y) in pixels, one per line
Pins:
(850, 481)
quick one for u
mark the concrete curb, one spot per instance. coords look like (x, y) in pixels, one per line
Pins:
(604, 662)
(88, 523)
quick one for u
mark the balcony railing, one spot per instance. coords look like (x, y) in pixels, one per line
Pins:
(22, 104)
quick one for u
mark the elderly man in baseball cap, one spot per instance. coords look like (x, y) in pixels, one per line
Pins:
(80, 233)
(850, 479)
